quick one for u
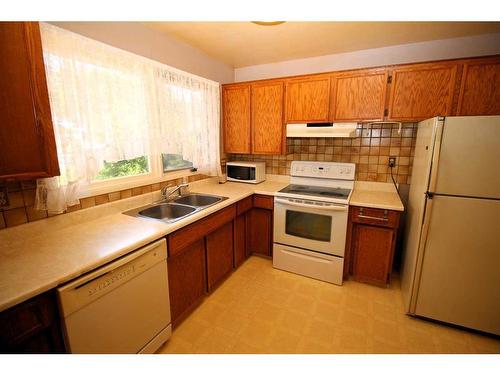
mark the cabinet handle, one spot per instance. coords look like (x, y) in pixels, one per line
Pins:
(361, 216)
(373, 218)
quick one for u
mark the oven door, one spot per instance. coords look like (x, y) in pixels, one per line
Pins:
(308, 225)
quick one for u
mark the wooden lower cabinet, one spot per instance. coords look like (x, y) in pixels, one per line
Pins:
(260, 231)
(372, 251)
(219, 247)
(32, 327)
(186, 280)
(371, 240)
(240, 240)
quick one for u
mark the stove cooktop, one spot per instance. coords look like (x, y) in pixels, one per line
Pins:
(317, 191)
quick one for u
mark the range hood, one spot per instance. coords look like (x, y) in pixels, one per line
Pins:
(322, 130)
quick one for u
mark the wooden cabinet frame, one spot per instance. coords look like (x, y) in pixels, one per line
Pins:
(45, 153)
(454, 90)
(484, 93)
(237, 136)
(336, 77)
(452, 66)
(306, 80)
(253, 111)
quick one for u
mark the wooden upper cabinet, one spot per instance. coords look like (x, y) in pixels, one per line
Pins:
(480, 88)
(422, 91)
(308, 99)
(236, 118)
(267, 118)
(27, 143)
(359, 96)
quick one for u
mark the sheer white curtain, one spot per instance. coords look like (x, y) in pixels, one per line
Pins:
(188, 119)
(110, 105)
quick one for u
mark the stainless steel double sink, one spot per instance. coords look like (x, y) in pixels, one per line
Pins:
(176, 209)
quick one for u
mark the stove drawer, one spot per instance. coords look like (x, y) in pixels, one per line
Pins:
(374, 216)
(308, 263)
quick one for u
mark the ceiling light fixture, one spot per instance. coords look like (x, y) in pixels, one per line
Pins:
(268, 23)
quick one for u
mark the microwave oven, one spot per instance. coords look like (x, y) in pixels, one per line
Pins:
(251, 172)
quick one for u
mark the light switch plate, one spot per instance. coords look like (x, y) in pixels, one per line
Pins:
(4, 199)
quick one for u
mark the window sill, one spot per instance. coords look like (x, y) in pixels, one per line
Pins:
(111, 186)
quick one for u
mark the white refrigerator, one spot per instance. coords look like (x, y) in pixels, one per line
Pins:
(451, 259)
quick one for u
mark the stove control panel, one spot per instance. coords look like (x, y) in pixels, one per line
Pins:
(319, 169)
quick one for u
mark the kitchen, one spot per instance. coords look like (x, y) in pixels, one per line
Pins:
(269, 207)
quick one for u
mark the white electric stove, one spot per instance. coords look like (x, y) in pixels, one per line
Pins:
(310, 220)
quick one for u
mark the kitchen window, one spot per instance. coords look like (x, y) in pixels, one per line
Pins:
(122, 120)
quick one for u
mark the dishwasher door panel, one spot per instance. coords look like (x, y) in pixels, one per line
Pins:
(130, 314)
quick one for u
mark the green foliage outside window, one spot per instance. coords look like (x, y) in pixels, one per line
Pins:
(175, 161)
(124, 168)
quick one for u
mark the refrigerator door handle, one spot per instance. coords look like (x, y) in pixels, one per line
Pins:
(435, 155)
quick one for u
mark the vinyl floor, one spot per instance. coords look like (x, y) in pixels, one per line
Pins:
(259, 309)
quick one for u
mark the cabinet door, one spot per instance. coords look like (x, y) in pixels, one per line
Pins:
(480, 91)
(308, 99)
(219, 255)
(240, 248)
(422, 91)
(372, 253)
(360, 96)
(236, 118)
(260, 234)
(186, 280)
(32, 326)
(267, 118)
(27, 144)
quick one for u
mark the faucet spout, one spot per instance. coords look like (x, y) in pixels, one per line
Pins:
(166, 194)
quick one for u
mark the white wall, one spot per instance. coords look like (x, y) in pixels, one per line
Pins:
(142, 40)
(481, 45)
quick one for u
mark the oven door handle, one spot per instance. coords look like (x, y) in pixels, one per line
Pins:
(326, 208)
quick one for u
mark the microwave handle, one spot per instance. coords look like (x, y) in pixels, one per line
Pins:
(326, 208)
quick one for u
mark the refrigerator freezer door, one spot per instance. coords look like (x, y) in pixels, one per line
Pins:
(416, 204)
(460, 278)
(469, 158)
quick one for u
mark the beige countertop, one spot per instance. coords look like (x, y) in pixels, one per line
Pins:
(376, 195)
(39, 256)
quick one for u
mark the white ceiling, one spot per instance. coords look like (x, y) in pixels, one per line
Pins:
(242, 44)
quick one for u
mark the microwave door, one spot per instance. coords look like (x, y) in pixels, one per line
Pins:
(242, 173)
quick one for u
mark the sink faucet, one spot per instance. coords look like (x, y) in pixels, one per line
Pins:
(165, 194)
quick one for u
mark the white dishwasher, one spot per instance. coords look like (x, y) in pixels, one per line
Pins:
(122, 307)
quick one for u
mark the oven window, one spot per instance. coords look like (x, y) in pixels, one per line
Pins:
(306, 225)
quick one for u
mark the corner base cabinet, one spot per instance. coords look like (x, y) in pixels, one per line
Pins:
(371, 240)
(260, 228)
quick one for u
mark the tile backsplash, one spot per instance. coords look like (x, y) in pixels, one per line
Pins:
(370, 150)
(22, 198)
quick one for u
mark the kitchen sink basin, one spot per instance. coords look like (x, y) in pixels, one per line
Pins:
(176, 209)
(198, 200)
(167, 211)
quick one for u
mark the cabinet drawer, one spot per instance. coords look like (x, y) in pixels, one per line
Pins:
(244, 205)
(193, 232)
(263, 201)
(375, 216)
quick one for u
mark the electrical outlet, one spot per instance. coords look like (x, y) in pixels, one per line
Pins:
(392, 161)
(4, 199)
